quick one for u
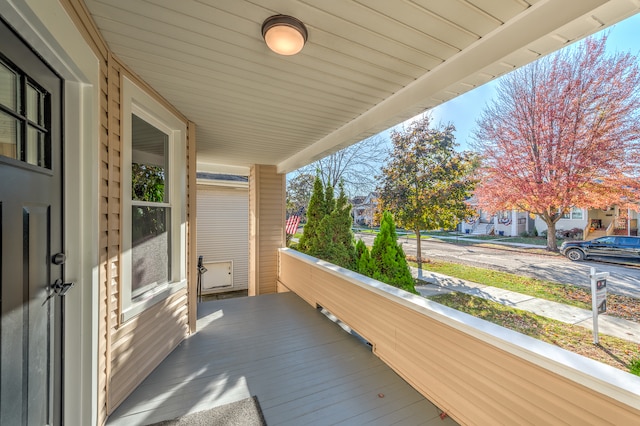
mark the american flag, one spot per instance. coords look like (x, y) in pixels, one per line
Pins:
(292, 224)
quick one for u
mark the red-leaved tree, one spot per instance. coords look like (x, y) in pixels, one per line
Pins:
(563, 132)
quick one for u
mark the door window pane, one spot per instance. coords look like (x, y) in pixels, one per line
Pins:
(10, 131)
(24, 131)
(8, 88)
(35, 105)
(36, 152)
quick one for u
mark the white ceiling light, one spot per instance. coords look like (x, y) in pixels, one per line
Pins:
(284, 34)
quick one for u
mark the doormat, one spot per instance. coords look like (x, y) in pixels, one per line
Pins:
(245, 412)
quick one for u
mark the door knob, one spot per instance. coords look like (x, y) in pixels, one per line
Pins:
(58, 258)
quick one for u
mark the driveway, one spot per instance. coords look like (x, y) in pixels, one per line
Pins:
(623, 280)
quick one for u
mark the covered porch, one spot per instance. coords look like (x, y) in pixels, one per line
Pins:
(303, 368)
(419, 360)
(201, 73)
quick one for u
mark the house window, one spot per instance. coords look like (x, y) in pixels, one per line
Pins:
(575, 213)
(150, 207)
(154, 202)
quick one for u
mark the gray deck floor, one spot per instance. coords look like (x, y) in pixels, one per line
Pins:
(303, 368)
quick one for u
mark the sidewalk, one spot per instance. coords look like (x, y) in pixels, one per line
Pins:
(442, 284)
(498, 241)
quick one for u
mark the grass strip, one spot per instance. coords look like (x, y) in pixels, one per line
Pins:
(619, 306)
(618, 353)
(562, 293)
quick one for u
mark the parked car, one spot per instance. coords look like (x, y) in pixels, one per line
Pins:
(610, 246)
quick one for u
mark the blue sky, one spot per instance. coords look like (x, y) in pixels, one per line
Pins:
(463, 110)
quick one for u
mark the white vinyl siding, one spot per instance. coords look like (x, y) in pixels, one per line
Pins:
(223, 230)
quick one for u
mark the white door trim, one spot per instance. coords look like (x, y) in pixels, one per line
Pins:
(45, 25)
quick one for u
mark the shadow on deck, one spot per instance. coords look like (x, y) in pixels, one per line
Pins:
(303, 368)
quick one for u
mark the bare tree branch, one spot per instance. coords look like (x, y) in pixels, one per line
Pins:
(357, 166)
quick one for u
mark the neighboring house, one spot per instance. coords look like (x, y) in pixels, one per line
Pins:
(364, 209)
(582, 223)
(510, 223)
(357, 209)
(223, 231)
(593, 223)
(102, 105)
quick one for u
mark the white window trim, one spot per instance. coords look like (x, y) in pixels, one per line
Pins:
(137, 101)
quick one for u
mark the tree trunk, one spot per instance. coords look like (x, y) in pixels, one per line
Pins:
(418, 249)
(552, 242)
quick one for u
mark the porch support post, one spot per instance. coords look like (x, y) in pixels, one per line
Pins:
(192, 255)
(514, 222)
(266, 227)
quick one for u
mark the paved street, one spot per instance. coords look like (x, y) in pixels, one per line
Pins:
(623, 280)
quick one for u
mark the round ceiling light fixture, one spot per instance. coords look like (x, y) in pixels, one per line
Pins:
(284, 34)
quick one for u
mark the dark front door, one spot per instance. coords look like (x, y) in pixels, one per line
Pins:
(30, 235)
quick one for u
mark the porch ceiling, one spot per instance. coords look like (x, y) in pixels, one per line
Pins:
(367, 64)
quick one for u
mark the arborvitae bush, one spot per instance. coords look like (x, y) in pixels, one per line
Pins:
(327, 234)
(388, 259)
(335, 237)
(329, 199)
(315, 212)
(363, 259)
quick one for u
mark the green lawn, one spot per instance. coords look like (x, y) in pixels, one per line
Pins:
(547, 290)
(452, 236)
(613, 351)
(617, 305)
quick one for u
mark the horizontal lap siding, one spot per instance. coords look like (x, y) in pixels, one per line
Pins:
(139, 345)
(114, 210)
(266, 227)
(290, 271)
(111, 195)
(473, 380)
(271, 229)
(126, 352)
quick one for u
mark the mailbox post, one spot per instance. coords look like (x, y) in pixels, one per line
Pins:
(598, 298)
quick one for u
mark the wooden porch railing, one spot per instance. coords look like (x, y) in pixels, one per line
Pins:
(475, 371)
